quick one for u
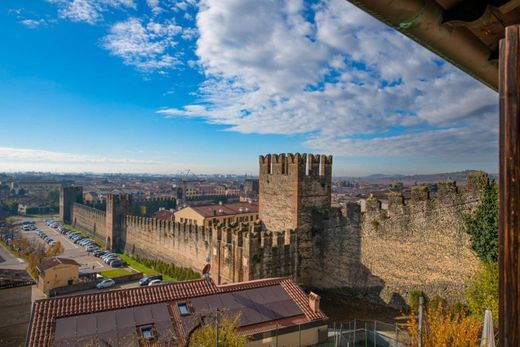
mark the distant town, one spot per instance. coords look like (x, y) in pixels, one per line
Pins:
(29, 193)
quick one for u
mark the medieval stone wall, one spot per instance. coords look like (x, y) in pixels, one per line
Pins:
(179, 243)
(89, 219)
(384, 253)
(246, 252)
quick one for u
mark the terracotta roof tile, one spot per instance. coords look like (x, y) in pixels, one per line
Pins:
(51, 262)
(46, 311)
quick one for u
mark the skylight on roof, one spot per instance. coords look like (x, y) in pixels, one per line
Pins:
(147, 332)
(183, 309)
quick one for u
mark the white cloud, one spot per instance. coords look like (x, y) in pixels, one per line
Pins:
(33, 23)
(89, 11)
(38, 155)
(147, 46)
(339, 77)
(154, 6)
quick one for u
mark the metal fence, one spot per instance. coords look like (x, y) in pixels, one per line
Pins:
(365, 333)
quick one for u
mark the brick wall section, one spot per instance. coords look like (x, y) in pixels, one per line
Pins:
(293, 188)
(245, 252)
(69, 196)
(385, 253)
(89, 219)
(178, 243)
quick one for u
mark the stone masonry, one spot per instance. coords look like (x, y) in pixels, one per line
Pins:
(380, 253)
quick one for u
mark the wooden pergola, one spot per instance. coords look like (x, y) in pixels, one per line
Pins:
(482, 38)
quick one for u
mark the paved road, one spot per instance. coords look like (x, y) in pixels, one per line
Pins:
(71, 250)
(8, 261)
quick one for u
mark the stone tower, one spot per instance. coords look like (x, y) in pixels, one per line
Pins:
(295, 194)
(292, 187)
(68, 196)
(118, 206)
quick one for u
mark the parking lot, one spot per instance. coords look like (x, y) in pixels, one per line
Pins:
(71, 250)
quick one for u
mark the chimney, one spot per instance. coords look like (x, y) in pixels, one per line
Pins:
(314, 302)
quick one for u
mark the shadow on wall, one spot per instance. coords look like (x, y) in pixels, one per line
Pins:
(337, 250)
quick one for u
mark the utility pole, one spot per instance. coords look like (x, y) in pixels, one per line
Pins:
(421, 304)
(216, 328)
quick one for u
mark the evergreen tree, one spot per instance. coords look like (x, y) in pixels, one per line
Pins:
(482, 224)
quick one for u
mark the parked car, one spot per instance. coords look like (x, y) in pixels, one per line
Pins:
(118, 263)
(155, 282)
(99, 253)
(110, 259)
(90, 248)
(148, 278)
(83, 242)
(106, 283)
(108, 255)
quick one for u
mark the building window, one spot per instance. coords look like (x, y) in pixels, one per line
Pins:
(147, 332)
(183, 309)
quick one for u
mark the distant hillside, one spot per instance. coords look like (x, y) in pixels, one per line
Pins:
(459, 177)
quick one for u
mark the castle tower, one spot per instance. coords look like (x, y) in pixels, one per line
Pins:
(118, 206)
(292, 186)
(68, 196)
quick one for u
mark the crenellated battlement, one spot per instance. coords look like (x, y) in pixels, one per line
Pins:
(448, 194)
(165, 228)
(291, 186)
(423, 211)
(312, 165)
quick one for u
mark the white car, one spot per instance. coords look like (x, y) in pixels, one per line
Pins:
(155, 282)
(106, 283)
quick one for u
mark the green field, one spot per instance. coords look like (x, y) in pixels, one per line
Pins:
(142, 268)
(116, 273)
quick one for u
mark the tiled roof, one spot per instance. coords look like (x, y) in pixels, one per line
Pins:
(51, 262)
(45, 312)
(164, 215)
(225, 209)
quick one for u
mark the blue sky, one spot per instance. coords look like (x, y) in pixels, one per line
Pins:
(161, 86)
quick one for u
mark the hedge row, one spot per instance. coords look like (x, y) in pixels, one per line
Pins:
(176, 272)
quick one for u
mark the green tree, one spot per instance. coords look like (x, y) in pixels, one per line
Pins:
(483, 291)
(482, 224)
(228, 336)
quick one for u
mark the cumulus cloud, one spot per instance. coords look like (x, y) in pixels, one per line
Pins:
(146, 45)
(89, 11)
(330, 71)
(33, 23)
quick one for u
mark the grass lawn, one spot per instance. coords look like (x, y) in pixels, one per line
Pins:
(142, 268)
(116, 273)
(99, 242)
(9, 249)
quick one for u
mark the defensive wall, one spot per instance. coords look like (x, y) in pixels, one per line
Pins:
(383, 253)
(89, 219)
(417, 244)
(245, 252)
(183, 244)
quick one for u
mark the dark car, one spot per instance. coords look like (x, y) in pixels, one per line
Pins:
(148, 278)
(99, 253)
(118, 263)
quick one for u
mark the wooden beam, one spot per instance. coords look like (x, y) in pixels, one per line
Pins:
(509, 186)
